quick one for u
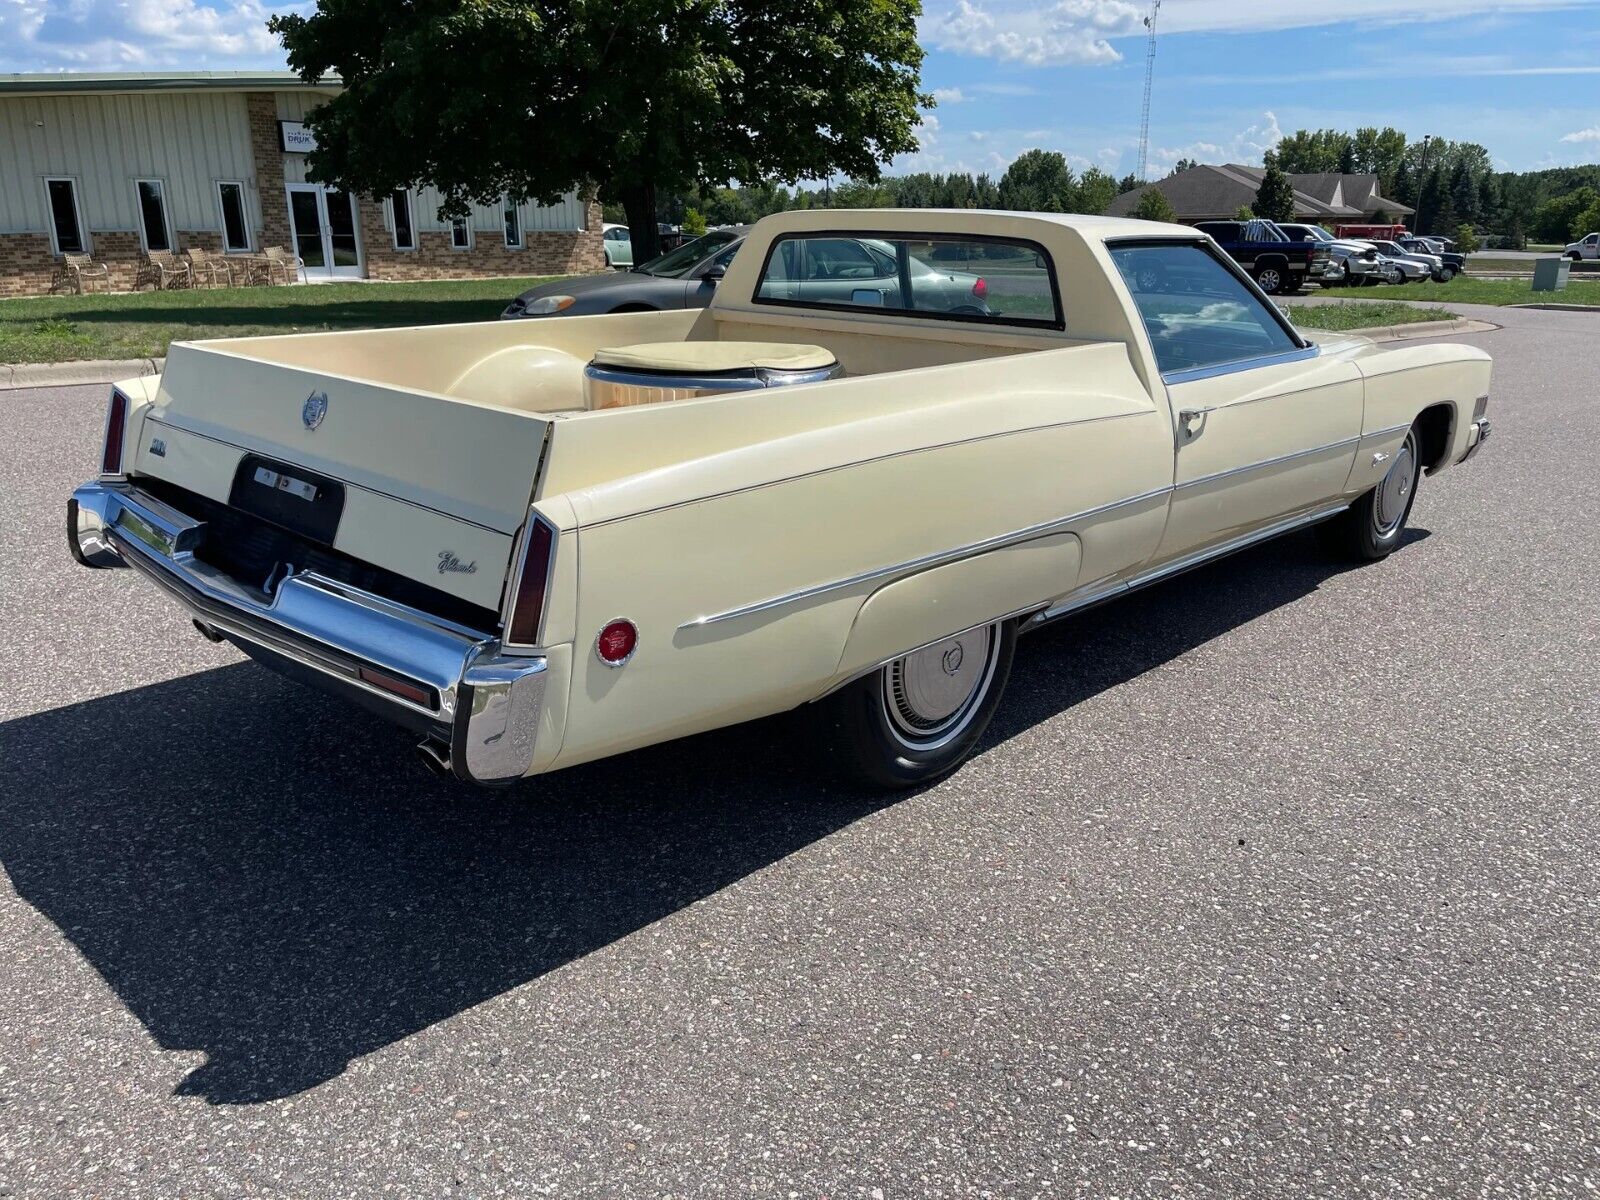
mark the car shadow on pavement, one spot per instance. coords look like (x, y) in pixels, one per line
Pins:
(264, 874)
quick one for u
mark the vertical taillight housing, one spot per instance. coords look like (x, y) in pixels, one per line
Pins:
(528, 595)
(116, 432)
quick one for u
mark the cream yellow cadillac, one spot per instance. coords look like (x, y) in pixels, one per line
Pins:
(894, 441)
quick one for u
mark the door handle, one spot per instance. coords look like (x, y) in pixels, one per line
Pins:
(1187, 418)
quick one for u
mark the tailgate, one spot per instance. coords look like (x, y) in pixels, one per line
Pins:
(422, 485)
(464, 459)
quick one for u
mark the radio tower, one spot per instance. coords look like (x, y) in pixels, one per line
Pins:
(1149, 78)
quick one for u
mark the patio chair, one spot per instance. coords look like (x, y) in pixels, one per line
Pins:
(164, 270)
(209, 267)
(280, 261)
(78, 269)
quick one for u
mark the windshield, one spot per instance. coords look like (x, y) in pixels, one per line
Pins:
(1321, 234)
(676, 262)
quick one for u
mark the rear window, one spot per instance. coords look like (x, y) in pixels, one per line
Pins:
(955, 277)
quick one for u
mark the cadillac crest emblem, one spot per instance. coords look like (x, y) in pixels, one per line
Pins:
(314, 409)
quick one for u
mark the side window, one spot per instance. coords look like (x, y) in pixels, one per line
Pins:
(1197, 312)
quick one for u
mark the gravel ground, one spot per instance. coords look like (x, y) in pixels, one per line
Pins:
(1276, 880)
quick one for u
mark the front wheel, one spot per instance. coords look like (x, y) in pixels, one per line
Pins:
(1447, 274)
(1370, 528)
(918, 718)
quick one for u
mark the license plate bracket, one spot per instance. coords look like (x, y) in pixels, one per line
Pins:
(290, 497)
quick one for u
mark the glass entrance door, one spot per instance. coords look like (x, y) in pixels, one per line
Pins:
(323, 224)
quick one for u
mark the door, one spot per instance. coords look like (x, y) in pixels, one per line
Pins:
(1265, 429)
(322, 222)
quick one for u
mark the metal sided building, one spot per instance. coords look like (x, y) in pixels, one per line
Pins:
(118, 165)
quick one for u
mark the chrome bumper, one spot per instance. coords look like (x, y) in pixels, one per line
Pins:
(478, 707)
(1477, 435)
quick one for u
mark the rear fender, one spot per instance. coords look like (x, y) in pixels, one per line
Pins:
(914, 612)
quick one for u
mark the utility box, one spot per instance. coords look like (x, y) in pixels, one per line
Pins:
(1551, 274)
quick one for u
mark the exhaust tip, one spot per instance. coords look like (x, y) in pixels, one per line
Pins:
(436, 757)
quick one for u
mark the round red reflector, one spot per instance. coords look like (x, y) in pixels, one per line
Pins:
(980, 289)
(617, 642)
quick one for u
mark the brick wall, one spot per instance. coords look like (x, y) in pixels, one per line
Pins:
(26, 264)
(262, 109)
(545, 253)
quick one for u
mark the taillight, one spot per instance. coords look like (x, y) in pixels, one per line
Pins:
(980, 289)
(116, 430)
(532, 584)
(617, 642)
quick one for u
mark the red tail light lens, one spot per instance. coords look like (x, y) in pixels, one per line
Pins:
(980, 289)
(116, 429)
(617, 642)
(533, 581)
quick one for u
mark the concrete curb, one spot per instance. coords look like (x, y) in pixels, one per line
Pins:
(1415, 329)
(73, 374)
(1554, 306)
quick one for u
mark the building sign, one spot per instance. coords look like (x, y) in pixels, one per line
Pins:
(296, 138)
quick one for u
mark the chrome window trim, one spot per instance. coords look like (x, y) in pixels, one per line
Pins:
(1192, 374)
(923, 563)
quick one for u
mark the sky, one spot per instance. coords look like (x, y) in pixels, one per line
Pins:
(1522, 77)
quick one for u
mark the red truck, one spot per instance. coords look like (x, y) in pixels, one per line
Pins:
(1387, 233)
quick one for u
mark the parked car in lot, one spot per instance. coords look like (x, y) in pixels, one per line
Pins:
(1277, 263)
(1585, 247)
(1451, 264)
(1358, 264)
(1432, 265)
(682, 278)
(618, 244)
(536, 546)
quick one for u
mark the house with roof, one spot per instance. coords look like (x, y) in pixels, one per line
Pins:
(1216, 193)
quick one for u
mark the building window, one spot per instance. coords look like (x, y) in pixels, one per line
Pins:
(513, 224)
(66, 223)
(153, 227)
(235, 228)
(461, 234)
(405, 228)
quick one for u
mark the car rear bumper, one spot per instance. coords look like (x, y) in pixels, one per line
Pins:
(477, 708)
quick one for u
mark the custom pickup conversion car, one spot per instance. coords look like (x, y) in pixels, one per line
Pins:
(539, 543)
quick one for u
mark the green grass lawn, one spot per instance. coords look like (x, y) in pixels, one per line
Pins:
(1464, 289)
(1363, 314)
(141, 324)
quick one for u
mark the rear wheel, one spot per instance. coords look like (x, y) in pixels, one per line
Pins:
(1270, 279)
(1446, 274)
(919, 717)
(1370, 528)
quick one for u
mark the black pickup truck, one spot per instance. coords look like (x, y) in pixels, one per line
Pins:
(1277, 263)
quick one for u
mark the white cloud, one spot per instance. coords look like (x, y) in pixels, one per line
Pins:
(1591, 134)
(1247, 146)
(1068, 31)
(83, 35)
(948, 95)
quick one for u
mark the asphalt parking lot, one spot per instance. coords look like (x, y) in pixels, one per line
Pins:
(1277, 880)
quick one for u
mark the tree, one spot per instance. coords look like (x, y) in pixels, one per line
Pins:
(1183, 164)
(1305, 153)
(1153, 206)
(694, 222)
(1096, 191)
(1347, 158)
(1586, 222)
(1127, 183)
(1466, 238)
(1430, 200)
(1275, 197)
(1553, 220)
(1244, 213)
(1037, 181)
(488, 98)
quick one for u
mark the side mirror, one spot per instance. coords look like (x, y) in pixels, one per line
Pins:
(712, 274)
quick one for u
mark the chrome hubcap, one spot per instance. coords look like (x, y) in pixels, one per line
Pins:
(1269, 281)
(1395, 490)
(932, 693)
